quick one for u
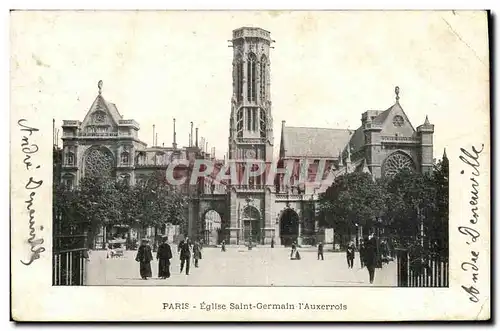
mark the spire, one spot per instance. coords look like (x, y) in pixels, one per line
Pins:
(99, 85)
(154, 136)
(444, 154)
(426, 120)
(396, 90)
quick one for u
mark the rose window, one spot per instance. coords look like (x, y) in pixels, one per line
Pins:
(397, 162)
(99, 162)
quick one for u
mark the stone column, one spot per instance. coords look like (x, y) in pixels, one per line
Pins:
(299, 238)
(233, 218)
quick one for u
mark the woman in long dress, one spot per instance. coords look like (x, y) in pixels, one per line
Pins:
(144, 257)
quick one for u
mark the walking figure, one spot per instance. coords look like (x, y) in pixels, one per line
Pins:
(362, 253)
(196, 253)
(272, 242)
(370, 256)
(163, 256)
(350, 253)
(294, 255)
(185, 254)
(223, 246)
(144, 257)
(320, 250)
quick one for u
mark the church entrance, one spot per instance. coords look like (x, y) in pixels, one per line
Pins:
(289, 227)
(251, 225)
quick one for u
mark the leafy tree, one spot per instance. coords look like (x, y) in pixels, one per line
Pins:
(353, 199)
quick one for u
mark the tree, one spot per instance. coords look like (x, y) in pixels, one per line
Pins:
(352, 200)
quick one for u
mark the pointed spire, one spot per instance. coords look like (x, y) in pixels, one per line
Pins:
(444, 154)
(191, 136)
(99, 85)
(396, 90)
(427, 120)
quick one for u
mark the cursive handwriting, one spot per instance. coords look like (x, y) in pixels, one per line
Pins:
(29, 149)
(471, 159)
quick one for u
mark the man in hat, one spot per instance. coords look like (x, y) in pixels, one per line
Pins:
(185, 254)
(144, 257)
(163, 256)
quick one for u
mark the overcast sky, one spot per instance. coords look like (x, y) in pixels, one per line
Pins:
(326, 68)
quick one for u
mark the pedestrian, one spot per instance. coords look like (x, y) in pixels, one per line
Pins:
(223, 246)
(370, 256)
(163, 256)
(362, 253)
(294, 254)
(350, 252)
(185, 254)
(144, 257)
(196, 253)
(272, 242)
(320, 250)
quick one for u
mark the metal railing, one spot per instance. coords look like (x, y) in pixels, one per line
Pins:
(431, 271)
(70, 267)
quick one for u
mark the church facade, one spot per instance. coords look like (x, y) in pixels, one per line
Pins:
(252, 209)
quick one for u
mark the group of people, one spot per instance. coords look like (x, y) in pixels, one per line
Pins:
(186, 250)
(368, 254)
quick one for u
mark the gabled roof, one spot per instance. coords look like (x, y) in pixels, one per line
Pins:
(109, 107)
(313, 142)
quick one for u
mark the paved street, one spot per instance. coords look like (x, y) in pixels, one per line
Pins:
(241, 267)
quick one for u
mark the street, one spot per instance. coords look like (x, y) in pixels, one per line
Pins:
(238, 266)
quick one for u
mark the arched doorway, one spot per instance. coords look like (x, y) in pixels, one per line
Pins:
(251, 224)
(211, 227)
(289, 227)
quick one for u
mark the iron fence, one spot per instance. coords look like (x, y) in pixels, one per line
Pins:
(431, 271)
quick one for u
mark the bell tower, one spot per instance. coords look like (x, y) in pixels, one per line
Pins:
(251, 132)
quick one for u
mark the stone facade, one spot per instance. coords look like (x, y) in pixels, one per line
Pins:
(251, 209)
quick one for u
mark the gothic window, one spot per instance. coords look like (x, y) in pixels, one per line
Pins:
(68, 181)
(254, 119)
(263, 80)
(124, 157)
(249, 119)
(239, 79)
(251, 77)
(397, 162)
(99, 162)
(70, 158)
(262, 123)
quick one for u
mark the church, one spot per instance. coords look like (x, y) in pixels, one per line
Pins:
(256, 211)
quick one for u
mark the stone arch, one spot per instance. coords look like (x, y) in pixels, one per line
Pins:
(396, 162)
(211, 227)
(289, 226)
(99, 161)
(251, 220)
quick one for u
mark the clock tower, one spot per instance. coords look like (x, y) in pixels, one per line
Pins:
(250, 133)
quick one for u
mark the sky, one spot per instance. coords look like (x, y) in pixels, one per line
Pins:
(327, 68)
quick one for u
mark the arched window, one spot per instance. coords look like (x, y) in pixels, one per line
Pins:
(70, 158)
(251, 77)
(263, 78)
(125, 158)
(239, 79)
(396, 162)
(68, 181)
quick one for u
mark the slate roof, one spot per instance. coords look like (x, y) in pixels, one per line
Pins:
(314, 142)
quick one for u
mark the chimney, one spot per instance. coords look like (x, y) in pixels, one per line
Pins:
(283, 125)
(154, 135)
(191, 139)
(196, 137)
(156, 140)
(174, 144)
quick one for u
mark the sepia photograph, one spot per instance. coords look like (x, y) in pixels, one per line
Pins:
(254, 150)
